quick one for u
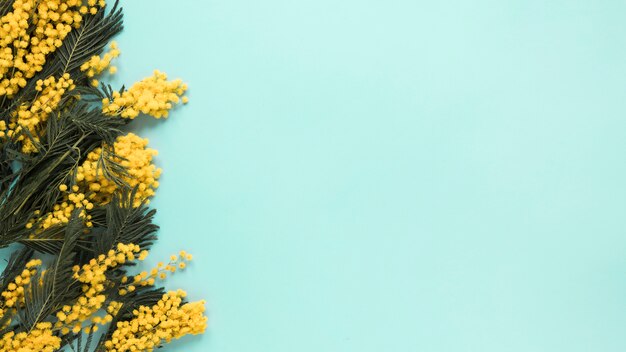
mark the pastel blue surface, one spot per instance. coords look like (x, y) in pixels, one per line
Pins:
(359, 176)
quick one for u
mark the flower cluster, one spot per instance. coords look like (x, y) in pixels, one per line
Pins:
(153, 96)
(31, 116)
(94, 188)
(62, 212)
(170, 318)
(23, 48)
(173, 319)
(14, 294)
(177, 262)
(96, 64)
(130, 152)
(40, 339)
(151, 326)
(93, 277)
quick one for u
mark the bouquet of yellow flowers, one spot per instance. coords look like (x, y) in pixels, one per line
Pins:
(75, 188)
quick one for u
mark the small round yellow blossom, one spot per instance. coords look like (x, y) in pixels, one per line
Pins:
(3, 129)
(112, 309)
(143, 255)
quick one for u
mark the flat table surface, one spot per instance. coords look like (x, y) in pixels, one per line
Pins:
(401, 175)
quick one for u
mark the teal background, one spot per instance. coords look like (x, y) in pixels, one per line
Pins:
(393, 175)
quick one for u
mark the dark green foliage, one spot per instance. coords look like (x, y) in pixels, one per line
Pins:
(5, 6)
(125, 224)
(78, 345)
(69, 137)
(58, 286)
(30, 182)
(88, 40)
